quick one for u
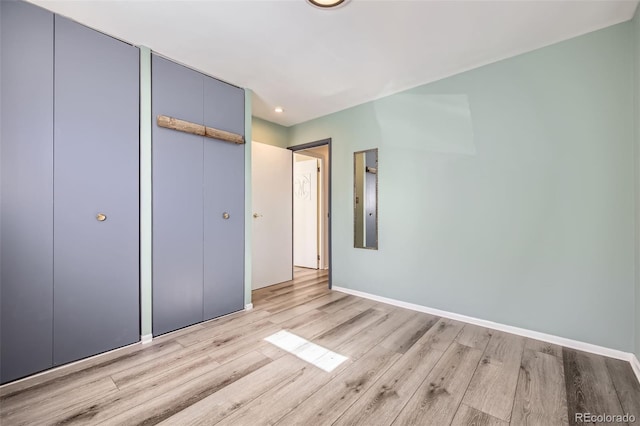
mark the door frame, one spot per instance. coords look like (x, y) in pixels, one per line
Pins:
(316, 144)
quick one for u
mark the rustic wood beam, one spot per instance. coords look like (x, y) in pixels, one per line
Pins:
(198, 129)
(180, 125)
(214, 133)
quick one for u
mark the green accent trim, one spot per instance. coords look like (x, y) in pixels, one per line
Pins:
(248, 224)
(145, 193)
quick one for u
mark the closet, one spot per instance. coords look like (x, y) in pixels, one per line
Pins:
(198, 199)
(69, 214)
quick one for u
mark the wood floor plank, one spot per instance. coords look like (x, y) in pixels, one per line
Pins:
(283, 302)
(237, 395)
(544, 347)
(162, 407)
(438, 397)
(331, 400)
(314, 328)
(40, 409)
(493, 386)
(111, 404)
(282, 305)
(61, 385)
(306, 307)
(589, 385)
(247, 343)
(309, 327)
(221, 325)
(389, 325)
(406, 337)
(541, 397)
(349, 328)
(382, 402)
(626, 385)
(281, 399)
(295, 286)
(112, 358)
(296, 290)
(467, 416)
(339, 304)
(141, 373)
(474, 336)
(296, 283)
(303, 319)
(261, 296)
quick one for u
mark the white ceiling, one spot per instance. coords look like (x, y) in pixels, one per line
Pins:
(314, 62)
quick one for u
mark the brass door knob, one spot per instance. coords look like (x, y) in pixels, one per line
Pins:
(225, 215)
(101, 217)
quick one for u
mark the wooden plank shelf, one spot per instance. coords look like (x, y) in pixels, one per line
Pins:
(198, 129)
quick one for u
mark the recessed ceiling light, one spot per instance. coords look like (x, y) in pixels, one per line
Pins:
(326, 4)
(279, 109)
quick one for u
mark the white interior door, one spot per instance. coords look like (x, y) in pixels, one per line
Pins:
(305, 211)
(272, 206)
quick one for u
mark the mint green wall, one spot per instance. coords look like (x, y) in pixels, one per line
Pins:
(270, 133)
(248, 208)
(636, 30)
(505, 193)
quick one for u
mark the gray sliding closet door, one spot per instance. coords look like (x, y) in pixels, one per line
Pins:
(223, 193)
(198, 255)
(26, 176)
(96, 263)
(177, 199)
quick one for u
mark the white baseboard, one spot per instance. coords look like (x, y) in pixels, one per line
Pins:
(549, 338)
(635, 364)
(248, 306)
(147, 338)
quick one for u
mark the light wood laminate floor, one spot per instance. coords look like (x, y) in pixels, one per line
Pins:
(403, 368)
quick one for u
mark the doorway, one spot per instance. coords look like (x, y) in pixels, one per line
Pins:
(312, 207)
(273, 188)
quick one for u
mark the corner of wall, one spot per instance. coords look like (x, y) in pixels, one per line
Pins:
(270, 133)
(146, 268)
(636, 33)
(248, 125)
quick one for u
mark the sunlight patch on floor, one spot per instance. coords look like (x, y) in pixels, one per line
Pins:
(305, 350)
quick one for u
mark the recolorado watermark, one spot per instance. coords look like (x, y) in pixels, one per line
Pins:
(604, 418)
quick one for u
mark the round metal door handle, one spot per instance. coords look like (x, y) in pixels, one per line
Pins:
(101, 217)
(225, 215)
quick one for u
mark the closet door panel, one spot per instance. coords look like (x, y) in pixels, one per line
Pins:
(26, 176)
(177, 199)
(223, 238)
(223, 193)
(223, 106)
(96, 137)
